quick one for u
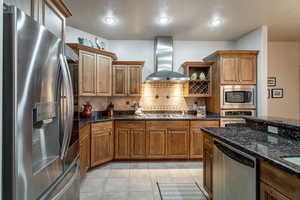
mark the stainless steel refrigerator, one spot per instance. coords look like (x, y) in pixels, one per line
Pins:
(40, 135)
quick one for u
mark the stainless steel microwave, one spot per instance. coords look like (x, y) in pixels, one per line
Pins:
(238, 96)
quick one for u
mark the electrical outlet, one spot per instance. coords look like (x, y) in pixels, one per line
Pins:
(273, 129)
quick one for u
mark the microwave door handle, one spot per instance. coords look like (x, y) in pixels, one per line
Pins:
(70, 105)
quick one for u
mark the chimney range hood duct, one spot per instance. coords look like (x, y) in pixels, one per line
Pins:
(163, 61)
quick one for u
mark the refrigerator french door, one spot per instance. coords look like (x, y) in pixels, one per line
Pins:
(38, 109)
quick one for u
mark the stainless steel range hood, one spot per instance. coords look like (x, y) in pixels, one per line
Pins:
(163, 61)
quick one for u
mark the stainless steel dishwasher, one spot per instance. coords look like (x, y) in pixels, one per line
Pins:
(234, 173)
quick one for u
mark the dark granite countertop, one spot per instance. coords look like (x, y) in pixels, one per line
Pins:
(277, 121)
(145, 117)
(269, 147)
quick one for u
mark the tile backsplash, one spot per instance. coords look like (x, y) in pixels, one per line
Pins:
(162, 96)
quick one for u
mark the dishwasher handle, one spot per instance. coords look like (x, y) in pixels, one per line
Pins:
(235, 155)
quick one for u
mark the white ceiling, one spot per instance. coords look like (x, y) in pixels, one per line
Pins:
(190, 18)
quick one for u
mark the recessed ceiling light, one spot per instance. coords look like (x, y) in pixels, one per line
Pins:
(216, 22)
(164, 20)
(110, 20)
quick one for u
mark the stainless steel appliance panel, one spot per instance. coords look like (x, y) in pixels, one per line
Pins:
(234, 173)
(238, 96)
(34, 147)
(67, 186)
(224, 122)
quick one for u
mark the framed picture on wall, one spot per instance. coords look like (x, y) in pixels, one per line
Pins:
(271, 81)
(277, 93)
(269, 93)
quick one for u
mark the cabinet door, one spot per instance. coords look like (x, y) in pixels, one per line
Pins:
(52, 19)
(104, 76)
(138, 143)
(84, 156)
(268, 193)
(156, 143)
(134, 80)
(87, 74)
(101, 147)
(247, 69)
(122, 143)
(207, 171)
(229, 70)
(196, 137)
(177, 143)
(120, 81)
(196, 143)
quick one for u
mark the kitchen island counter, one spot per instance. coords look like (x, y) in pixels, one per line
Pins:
(269, 147)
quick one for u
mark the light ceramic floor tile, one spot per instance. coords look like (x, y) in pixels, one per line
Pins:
(92, 185)
(116, 185)
(90, 196)
(115, 196)
(120, 165)
(99, 173)
(137, 180)
(140, 184)
(140, 196)
(139, 165)
(139, 173)
(119, 173)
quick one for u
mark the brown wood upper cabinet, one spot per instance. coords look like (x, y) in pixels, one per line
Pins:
(130, 140)
(87, 73)
(52, 14)
(196, 136)
(235, 67)
(103, 76)
(127, 78)
(84, 148)
(94, 74)
(102, 143)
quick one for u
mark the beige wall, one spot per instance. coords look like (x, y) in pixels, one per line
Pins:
(284, 64)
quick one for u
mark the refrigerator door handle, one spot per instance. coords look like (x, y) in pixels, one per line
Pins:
(70, 105)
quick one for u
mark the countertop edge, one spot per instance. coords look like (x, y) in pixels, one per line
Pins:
(86, 121)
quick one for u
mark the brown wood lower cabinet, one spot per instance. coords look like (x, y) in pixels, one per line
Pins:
(269, 193)
(138, 143)
(208, 164)
(276, 184)
(130, 140)
(177, 143)
(150, 139)
(167, 139)
(156, 143)
(196, 136)
(102, 143)
(84, 149)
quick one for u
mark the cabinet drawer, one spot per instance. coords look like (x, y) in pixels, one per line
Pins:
(102, 126)
(130, 124)
(196, 124)
(167, 124)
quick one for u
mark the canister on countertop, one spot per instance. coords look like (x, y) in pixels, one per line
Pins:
(201, 111)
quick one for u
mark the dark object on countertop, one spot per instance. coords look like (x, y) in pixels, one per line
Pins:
(110, 110)
(86, 111)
